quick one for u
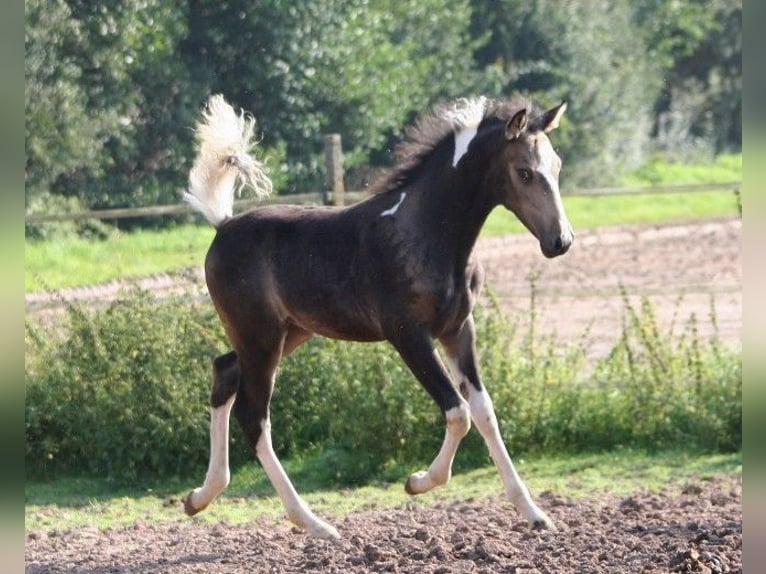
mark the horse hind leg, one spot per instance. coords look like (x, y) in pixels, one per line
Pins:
(226, 376)
(252, 411)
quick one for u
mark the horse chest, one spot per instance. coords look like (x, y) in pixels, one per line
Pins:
(442, 304)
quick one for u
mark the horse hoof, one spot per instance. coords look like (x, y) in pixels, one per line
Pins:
(408, 487)
(189, 508)
(543, 524)
(324, 531)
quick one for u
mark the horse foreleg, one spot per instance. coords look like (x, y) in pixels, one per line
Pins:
(461, 350)
(225, 383)
(440, 471)
(483, 415)
(416, 348)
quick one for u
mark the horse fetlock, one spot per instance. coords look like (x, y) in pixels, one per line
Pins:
(422, 481)
(218, 481)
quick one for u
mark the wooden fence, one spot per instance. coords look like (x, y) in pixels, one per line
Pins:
(335, 194)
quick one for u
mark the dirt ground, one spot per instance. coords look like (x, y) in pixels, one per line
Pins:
(681, 268)
(691, 527)
(695, 527)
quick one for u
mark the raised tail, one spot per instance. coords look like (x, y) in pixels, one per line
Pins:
(224, 163)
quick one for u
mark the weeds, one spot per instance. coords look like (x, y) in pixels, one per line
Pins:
(122, 392)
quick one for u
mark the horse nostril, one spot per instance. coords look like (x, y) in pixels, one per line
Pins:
(563, 243)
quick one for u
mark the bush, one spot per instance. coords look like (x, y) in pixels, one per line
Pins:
(124, 391)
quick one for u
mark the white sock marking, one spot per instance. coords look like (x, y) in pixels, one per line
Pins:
(297, 510)
(396, 207)
(483, 414)
(440, 471)
(217, 477)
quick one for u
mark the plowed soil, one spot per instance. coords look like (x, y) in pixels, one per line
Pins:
(691, 527)
(682, 269)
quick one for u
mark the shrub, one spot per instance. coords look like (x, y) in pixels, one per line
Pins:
(122, 392)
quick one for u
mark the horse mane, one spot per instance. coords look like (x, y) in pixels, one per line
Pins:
(442, 122)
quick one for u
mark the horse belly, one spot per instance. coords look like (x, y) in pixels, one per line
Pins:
(332, 310)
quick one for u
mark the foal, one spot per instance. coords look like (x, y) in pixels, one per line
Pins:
(399, 266)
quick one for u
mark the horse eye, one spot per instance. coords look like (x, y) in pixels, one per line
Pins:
(525, 175)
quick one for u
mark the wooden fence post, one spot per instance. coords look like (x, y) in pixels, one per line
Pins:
(333, 159)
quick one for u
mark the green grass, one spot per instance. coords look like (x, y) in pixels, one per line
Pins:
(588, 212)
(72, 503)
(79, 261)
(726, 167)
(75, 261)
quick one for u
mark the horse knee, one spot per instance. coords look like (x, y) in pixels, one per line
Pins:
(226, 376)
(459, 419)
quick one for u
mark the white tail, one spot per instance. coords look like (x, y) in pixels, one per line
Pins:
(224, 163)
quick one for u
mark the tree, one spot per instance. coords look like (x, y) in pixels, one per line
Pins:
(62, 136)
(357, 67)
(698, 48)
(105, 102)
(587, 53)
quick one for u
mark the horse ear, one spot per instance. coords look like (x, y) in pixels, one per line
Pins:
(516, 125)
(550, 119)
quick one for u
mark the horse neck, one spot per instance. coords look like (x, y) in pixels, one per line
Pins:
(454, 212)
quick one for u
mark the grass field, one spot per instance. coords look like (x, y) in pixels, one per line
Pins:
(78, 261)
(73, 502)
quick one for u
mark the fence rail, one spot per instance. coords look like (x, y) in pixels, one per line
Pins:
(349, 197)
(337, 195)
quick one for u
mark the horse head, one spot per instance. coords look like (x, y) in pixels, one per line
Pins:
(530, 179)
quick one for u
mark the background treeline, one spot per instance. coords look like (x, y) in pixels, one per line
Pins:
(114, 87)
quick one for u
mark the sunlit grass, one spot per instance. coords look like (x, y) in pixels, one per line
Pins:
(590, 212)
(71, 503)
(726, 167)
(75, 261)
(78, 261)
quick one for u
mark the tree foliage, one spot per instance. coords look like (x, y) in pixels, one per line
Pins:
(113, 88)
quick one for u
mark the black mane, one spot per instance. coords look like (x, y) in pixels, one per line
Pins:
(433, 128)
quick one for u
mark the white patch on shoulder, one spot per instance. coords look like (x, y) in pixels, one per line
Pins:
(396, 207)
(465, 117)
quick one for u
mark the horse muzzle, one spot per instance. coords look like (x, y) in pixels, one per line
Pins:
(557, 244)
